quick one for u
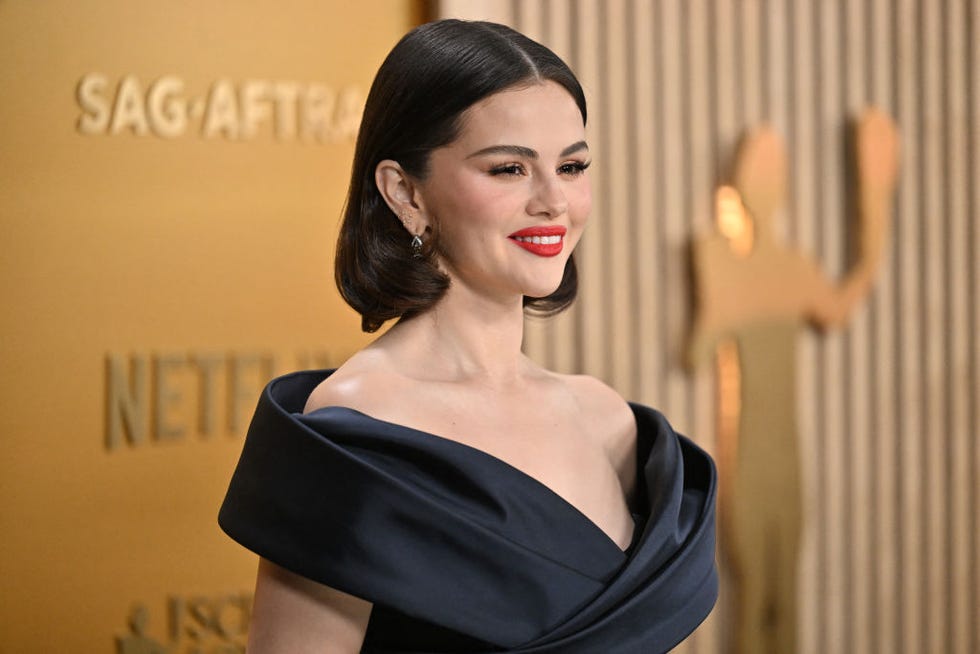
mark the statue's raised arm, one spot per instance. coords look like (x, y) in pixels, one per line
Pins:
(876, 156)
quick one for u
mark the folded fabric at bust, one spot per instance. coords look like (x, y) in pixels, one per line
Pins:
(460, 551)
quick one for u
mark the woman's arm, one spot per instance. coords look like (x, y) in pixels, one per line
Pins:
(291, 614)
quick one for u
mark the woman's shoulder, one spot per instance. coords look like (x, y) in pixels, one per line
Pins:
(602, 408)
(361, 383)
(594, 395)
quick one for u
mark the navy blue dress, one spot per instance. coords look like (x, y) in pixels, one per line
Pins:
(462, 552)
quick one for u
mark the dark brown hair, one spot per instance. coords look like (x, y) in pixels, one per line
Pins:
(431, 76)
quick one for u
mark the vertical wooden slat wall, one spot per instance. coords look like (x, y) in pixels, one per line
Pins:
(889, 407)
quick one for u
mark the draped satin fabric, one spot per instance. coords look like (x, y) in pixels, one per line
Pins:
(462, 552)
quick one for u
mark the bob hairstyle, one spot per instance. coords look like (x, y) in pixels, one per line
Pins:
(416, 104)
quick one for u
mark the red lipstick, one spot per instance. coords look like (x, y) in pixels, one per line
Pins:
(544, 241)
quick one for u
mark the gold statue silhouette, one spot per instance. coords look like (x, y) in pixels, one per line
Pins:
(753, 295)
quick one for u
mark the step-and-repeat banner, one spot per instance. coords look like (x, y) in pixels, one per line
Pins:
(171, 180)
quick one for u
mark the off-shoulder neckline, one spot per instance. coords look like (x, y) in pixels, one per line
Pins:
(494, 460)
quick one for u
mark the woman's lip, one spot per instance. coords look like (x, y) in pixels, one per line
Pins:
(541, 230)
(545, 246)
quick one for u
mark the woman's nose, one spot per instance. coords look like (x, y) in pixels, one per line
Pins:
(548, 199)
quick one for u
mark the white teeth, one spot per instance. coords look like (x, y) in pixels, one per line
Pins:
(540, 240)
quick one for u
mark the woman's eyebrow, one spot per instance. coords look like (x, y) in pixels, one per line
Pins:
(517, 150)
(528, 153)
(573, 148)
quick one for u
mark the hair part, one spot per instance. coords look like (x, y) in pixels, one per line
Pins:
(416, 104)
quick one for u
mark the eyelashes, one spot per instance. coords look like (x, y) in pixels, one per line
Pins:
(507, 169)
(574, 167)
(568, 169)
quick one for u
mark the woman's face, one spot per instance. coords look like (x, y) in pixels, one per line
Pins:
(511, 195)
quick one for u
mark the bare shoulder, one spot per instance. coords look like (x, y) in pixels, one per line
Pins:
(603, 409)
(359, 384)
(597, 397)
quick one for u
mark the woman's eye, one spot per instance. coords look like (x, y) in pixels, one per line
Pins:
(573, 168)
(508, 169)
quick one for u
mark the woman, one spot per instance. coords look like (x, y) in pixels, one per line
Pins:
(440, 492)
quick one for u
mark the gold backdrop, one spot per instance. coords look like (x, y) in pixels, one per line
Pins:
(171, 179)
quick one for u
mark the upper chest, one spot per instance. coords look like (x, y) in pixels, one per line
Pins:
(549, 436)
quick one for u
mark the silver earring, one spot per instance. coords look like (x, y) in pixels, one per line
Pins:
(417, 246)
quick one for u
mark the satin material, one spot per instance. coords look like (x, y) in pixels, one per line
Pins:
(460, 551)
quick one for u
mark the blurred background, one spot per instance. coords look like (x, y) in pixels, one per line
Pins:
(171, 180)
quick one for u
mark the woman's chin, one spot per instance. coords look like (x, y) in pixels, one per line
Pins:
(540, 289)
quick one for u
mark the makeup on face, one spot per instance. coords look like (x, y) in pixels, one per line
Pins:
(542, 240)
(511, 192)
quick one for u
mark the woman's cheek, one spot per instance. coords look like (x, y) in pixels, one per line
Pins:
(582, 205)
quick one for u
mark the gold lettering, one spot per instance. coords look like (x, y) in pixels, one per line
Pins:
(222, 111)
(312, 112)
(167, 109)
(128, 111)
(167, 396)
(93, 103)
(347, 119)
(200, 621)
(126, 401)
(316, 111)
(207, 367)
(159, 398)
(254, 106)
(284, 94)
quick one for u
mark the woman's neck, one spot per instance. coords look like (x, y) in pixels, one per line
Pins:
(463, 338)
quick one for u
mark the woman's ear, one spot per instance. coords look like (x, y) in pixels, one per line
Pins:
(400, 193)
